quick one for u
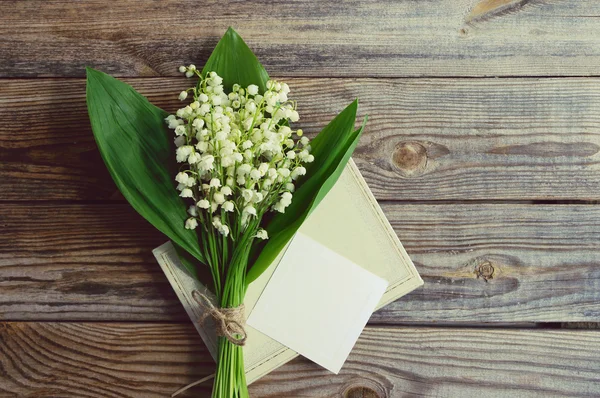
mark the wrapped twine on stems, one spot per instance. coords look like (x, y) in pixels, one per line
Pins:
(229, 324)
(229, 321)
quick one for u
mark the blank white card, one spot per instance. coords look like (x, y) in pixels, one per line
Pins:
(317, 302)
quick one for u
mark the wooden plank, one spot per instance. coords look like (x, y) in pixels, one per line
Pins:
(100, 360)
(153, 360)
(498, 263)
(427, 139)
(70, 262)
(94, 262)
(462, 362)
(304, 38)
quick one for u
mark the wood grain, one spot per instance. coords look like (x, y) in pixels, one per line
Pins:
(100, 360)
(94, 262)
(427, 139)
(498, 263)
(71, 262)
(300, 38)
(152, 360)
(72, 251)
(438, 362)
(486, 9)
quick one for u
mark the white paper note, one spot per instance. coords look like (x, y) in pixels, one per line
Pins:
(317, 302)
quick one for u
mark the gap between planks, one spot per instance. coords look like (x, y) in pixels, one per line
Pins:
(441, 325)
(432, 202)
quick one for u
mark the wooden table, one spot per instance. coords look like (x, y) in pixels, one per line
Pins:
(482, 147)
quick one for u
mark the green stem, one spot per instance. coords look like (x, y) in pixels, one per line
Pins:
(230, 377)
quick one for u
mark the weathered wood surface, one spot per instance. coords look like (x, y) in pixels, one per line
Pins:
(94, 262)
(72, 250)
(427, 139)
(100, 360)
(153, 360)
(304, 38)
(499, 263)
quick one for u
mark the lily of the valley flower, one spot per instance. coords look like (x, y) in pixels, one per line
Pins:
(239, 155)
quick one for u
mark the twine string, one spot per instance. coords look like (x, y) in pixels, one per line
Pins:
(229, 321)
(229, 324)
(182, 389)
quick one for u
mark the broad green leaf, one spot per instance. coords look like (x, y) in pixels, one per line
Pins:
(138, 151)
(338, 165)
(332, 149)
(236, 63)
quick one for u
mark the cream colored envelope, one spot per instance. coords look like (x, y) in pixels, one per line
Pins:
(348, 221)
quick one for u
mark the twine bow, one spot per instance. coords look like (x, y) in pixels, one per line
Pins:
(230, 324)
(229, 321)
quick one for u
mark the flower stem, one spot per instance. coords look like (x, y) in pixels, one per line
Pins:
(230, 378)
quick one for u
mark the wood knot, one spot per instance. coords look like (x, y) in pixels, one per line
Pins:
(410, 158)
(485, 270)
(363, 388)
(361, 392)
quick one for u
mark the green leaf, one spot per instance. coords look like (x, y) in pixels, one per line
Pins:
(236, 63)
(139, 153)
(332, 149)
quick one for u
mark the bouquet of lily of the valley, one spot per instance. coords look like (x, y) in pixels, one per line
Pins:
(228, 177)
